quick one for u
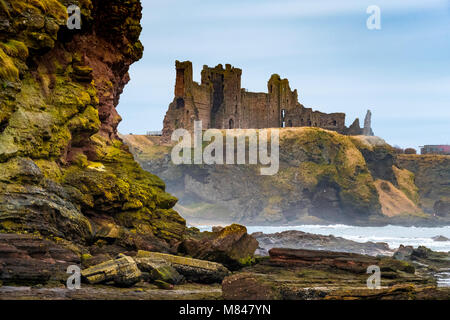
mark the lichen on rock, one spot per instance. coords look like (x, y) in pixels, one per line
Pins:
(64, 172)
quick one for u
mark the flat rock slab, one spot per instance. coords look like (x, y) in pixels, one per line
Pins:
(123, 271)
(295, 239)
(351, 262)
(342, 260)
(141, 291)
(192, 269)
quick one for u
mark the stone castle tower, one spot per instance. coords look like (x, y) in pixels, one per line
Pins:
(220, 102)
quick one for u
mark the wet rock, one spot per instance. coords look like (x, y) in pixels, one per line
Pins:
(340, 260)
(403, 252)
(194, 270)
(88, 260)
(123, 271)
(424, 257)
(231, 246)
(167, 274)
(351, 262)
(247, 286)
(30, 260)
(440, 238)
(302, 240)
(163, 285)
(159, 269)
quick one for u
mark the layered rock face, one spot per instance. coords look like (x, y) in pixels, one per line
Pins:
(432, 177)
(302, 240)
(64, 173)
(323, 177)
(314, 275)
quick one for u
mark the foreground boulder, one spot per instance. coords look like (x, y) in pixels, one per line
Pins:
(192, 269)
(158, 270)
(123, 271)
(231, 246)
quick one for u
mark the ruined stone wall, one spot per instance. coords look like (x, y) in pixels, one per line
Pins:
(254, 111)
(226, 95)
(219, 102)
(301, 117)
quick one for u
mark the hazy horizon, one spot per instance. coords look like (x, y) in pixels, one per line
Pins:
(325, 50)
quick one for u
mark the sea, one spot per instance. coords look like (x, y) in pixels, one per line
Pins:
(394, 236)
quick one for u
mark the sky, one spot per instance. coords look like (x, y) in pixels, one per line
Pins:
(400, 72)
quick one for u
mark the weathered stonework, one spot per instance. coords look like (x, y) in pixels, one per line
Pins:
(367, 131)
(220, 102)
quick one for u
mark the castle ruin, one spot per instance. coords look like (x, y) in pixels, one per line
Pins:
(220, 102)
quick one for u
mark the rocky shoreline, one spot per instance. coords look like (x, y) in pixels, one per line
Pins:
(29, 270)
(303, 240)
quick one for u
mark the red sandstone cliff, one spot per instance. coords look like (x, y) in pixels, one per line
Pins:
(64, 173)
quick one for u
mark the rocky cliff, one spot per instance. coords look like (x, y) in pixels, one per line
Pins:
(323, 177)
(432, 177)
(64, 173)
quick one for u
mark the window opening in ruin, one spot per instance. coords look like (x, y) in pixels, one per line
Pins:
(334, 123)
(290, 123)
(231, 124)
(180, 103)
(218, 94)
